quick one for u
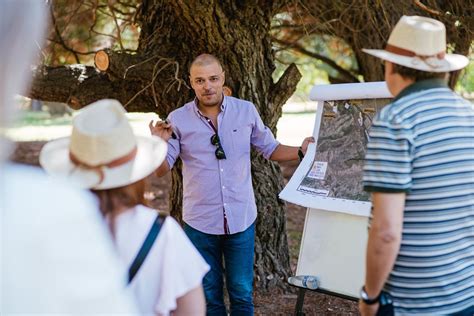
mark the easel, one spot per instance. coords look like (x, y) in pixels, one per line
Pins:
(302, 292)
(335, 229)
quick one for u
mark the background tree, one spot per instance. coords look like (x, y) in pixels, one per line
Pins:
(334, 32)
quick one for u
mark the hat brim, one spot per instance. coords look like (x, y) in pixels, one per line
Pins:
(450, 62)
(151, 152)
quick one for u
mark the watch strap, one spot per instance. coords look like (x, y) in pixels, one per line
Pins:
(300, 153)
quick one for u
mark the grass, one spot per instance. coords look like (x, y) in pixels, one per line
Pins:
(292, 127)
(41, 126)
(30, 118)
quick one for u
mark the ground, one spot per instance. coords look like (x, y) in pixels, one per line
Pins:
(266, 303)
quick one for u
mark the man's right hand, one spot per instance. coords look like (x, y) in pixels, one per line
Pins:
(161, 129)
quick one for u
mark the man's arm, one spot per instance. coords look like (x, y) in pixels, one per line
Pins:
(191, 303)
(284, 153)
(287, 153)
(383, 243)
(164, 130)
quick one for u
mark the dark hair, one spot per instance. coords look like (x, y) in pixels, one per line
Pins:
(416, 75)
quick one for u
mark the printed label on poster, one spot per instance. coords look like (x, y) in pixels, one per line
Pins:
(318, 171)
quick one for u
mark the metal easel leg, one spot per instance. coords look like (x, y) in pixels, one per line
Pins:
(299, 302)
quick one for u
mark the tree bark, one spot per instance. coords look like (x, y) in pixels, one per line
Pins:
(271, 245)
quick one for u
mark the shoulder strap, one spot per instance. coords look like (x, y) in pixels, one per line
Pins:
(147, 244)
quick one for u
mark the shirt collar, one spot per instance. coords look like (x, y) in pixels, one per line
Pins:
(224, 102)
(196, 108)
(422, 85)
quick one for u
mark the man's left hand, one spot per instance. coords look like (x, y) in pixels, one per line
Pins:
(306, 142)
(368, 310)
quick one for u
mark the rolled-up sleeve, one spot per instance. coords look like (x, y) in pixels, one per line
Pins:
(262, 137)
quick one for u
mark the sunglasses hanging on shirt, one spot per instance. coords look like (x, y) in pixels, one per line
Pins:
(220, 153)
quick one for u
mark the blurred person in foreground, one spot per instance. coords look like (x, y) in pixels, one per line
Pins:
(56, 253)
(420, 169)
(105, 156)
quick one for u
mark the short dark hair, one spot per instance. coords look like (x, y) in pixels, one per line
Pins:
(416, 75)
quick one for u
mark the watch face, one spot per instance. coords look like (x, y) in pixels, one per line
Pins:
(363, 294)
(365, 297)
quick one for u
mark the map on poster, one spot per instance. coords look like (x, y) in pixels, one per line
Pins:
(330, 176)
(337, 166)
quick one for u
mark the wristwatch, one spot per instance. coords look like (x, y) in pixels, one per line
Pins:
(300, 153)
(366, 299)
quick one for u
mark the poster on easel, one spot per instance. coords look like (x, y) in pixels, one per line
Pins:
(329, 183)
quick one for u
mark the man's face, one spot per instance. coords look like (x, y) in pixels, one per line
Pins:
(207, 82)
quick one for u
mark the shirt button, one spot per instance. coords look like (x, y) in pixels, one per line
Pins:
(223, 187)
(225, 204)
(222, 170)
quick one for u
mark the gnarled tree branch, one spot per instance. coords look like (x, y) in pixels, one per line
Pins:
(346, 75)
(280, 92)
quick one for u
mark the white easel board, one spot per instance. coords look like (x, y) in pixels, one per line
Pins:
(329, 183)
(333, 249)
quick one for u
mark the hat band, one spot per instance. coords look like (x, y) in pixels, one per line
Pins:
(98, 168)
(409, 53)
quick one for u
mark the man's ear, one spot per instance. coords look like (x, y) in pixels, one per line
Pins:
(223, 76)
(391, 67)
(190, 81)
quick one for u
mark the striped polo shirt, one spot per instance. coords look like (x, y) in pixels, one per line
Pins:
(423, 144)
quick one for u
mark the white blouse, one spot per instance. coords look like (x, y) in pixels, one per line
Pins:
(172, 268)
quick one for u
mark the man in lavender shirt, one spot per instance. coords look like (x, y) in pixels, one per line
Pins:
(213, 135)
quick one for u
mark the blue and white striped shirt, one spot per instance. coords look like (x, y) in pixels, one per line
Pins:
(423, 144)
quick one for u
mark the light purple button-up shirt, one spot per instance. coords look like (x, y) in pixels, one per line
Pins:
(211, 186)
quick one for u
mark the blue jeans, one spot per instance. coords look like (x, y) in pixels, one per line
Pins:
(238, 252)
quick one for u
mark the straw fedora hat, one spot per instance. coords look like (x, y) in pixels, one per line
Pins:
(102, 152)
(420, 43)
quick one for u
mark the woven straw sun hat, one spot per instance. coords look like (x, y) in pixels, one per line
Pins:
(420, 43)
(102, 151)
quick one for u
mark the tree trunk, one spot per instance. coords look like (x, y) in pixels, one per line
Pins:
(173, 33)
(271, 245)
(238, 36)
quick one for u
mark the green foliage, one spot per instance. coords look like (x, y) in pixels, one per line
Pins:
(465, 84)
(309, 68)
(82, 27)
(315, 71)
(319, 57)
